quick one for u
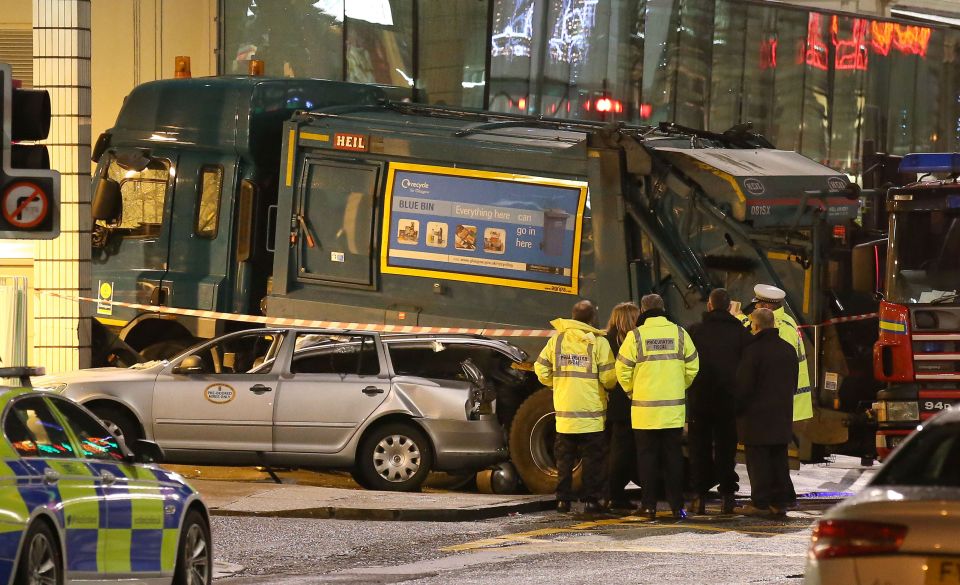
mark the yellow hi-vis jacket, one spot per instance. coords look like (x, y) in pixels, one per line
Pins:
(577, 363)
(657, 363)
(802, 397)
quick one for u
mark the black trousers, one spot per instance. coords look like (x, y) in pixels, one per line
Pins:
(769, 471)
(591, 449)
(713, 453)
(660, 457)
(622, 462)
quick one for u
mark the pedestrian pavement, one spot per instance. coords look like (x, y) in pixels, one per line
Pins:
(230, 498)
(254, 496)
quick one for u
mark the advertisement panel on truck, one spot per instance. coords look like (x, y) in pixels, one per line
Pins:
(482, 226)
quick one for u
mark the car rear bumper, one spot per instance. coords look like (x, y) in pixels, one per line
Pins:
(466, 445)
(902, 569)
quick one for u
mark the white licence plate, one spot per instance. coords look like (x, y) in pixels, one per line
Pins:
(942, 571)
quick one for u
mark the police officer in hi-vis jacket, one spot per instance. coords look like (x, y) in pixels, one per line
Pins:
(578, 364)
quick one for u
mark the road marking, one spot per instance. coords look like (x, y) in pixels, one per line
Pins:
(529, 537)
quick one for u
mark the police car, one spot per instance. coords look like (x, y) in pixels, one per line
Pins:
(77, 505)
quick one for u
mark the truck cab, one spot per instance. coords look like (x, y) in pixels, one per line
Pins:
(185, 189)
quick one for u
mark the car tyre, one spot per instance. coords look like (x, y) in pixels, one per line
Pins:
(394, 457)
(194, 553)
(40, 558)
(532, 434)
(120, 423)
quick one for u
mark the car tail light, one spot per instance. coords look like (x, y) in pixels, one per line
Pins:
(849, 538)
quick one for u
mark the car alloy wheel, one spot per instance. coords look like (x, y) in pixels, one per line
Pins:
(41, 561)
(194, 563)
(197, 556)
(397, 458)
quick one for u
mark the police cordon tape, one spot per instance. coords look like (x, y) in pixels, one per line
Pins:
(837, 320)
(287, 322)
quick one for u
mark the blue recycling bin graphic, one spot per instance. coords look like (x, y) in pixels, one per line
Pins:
(554, 231)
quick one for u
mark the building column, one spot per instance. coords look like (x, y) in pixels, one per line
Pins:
(61, 65)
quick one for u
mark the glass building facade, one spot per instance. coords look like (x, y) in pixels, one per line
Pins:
(820, 83)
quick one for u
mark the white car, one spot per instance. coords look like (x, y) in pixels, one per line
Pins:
(904, 527)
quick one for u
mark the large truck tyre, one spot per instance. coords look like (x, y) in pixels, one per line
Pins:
(531, 444)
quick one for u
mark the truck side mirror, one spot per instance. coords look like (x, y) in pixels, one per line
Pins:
(103, 143)
(868, 261)
(107, 201)
(192, 364)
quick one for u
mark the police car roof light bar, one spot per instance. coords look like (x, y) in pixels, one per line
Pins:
(931, 162)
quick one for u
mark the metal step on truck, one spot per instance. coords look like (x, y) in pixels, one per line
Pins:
(324, 200)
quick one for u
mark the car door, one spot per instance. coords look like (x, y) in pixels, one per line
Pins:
(136, 531)
(335, 382)
(56, 478)
(223, 406)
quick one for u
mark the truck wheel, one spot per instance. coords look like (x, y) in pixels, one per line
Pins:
(120, 423)
(531, 444)
(40, 560)
(394, 457)
(163, 350)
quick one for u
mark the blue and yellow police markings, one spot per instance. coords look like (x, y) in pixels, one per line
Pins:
(13, 517)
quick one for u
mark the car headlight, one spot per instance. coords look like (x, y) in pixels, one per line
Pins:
(58, 388)
(898, 411)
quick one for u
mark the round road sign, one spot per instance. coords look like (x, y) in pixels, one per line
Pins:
(24, 205)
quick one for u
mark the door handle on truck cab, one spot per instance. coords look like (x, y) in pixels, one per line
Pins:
(372, 390)
(260, 389)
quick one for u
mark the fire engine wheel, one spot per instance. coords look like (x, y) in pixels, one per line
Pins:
(532, 433)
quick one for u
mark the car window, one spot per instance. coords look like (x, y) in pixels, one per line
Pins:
(335, 354)
(931, 458)
(34, 432)
(442, 361)
(240, 354)
(96, 442)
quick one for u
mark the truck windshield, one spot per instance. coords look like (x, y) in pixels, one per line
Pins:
(924, 256)
(143, 194)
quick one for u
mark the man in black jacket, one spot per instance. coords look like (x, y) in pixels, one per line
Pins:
(720, 339)
(766, 382)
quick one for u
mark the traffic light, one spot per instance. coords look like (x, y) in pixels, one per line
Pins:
(29, 190)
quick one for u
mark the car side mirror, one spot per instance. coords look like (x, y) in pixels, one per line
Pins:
(192, 364)
(473, 373)
(107, 201)
(145, 451)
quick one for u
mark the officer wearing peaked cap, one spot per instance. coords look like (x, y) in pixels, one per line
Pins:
(767, 296)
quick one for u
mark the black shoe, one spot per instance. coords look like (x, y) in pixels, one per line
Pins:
(729, 504)
(680, 514)
(591, 507)
(699, 504)
(563, 506)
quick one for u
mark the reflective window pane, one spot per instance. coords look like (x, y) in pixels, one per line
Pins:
(726, 74)
(295, 38)
(380, 42)
(452, 52)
